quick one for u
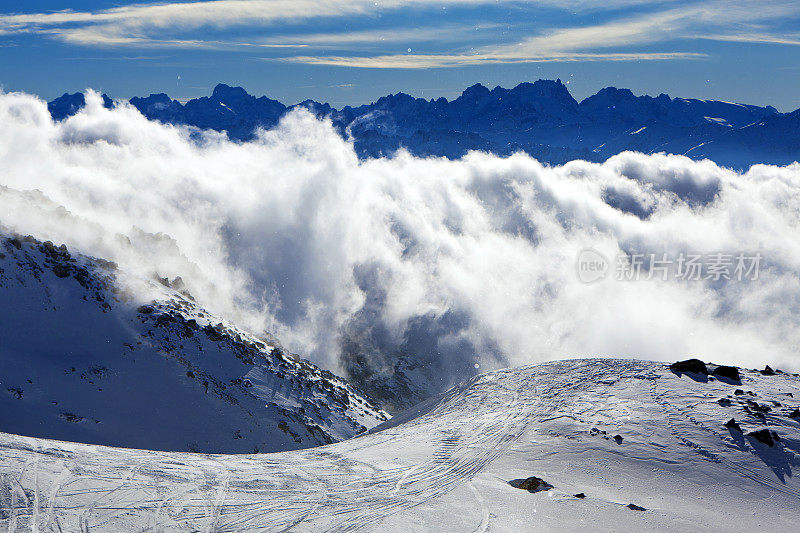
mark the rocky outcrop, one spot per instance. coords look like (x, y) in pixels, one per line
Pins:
(765, 436)
(694, 366)
(531, 484)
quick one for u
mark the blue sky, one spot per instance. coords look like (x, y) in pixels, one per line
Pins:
(352, 52)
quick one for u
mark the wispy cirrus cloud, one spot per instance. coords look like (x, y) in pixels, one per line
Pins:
(765, 38)
(450, 32)
(200, 25)
(143, 24)
(411, 61)
(123, 25)
(591, 42)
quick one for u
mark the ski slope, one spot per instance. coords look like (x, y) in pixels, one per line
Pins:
(445, 465)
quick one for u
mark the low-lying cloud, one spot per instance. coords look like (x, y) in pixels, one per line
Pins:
(456, 266)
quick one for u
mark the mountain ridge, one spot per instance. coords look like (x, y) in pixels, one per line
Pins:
(540, 118)
(86, 356)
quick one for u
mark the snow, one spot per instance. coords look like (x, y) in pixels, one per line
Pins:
(445, 466)
(82, 360)
(716, 120)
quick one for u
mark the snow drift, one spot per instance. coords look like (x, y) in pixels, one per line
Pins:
(427, 268)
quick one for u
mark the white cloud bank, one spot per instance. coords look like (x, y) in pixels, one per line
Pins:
(455, 262)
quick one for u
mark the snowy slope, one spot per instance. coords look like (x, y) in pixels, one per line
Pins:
(81, 359)
(446, 465)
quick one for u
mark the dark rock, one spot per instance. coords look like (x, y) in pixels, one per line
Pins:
(109, 265)
(795, 413)
(214, 333)
(580, 495)
(531, 484)
(634, 507)
(145, 309)
(16, 393)
(768, 371)
(738, 392)
(765, 436)
(725, 402)
(730, 372)
(755, 407)
(732, 424)
(618, 439)
(62, 271)
(695, 366)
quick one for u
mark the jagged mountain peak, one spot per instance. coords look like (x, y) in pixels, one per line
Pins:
(223, 91)
(475, 91)
(67, 104)
(543, 88)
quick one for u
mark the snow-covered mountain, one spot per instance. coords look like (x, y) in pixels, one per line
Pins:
(83, 358)
(540, 118)
(600, 445)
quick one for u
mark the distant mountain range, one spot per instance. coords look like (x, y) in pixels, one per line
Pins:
(540, 118)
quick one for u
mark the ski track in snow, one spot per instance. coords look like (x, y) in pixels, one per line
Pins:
(348, 486)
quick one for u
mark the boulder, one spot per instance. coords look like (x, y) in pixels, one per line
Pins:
(531, 484)
(768, 371)
(733, 425)
(730, 372)
(695, 366)
(755, 407)
(765, 436)
(634, 507)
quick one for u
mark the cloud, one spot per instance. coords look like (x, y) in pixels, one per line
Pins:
(422, 61)
(188, 25)
(453, 32)
(585, 43)
(135, 22)
(449, 264)
(765, 38)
